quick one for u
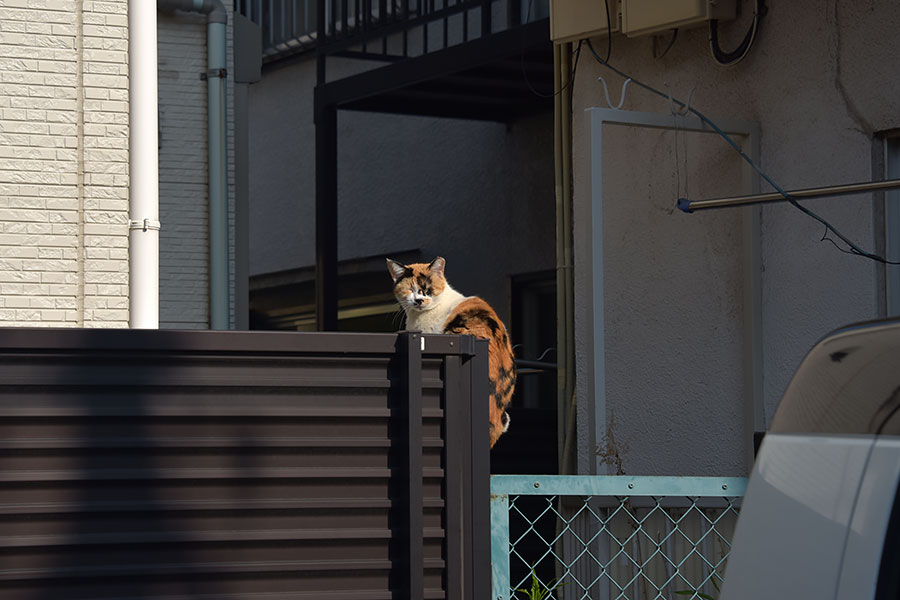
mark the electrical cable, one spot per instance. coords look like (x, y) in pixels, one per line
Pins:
(525, 74)
(608, 31)
(728, 59)
(659, 55)
(854, 248)
(560, 90)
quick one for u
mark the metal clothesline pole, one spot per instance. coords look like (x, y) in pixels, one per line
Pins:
(689, 206)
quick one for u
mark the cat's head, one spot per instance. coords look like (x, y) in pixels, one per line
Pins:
(417, 286)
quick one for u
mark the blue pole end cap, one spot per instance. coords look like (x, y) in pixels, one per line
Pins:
(684, 205)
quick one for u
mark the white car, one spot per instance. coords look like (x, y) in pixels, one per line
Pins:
(821, 516)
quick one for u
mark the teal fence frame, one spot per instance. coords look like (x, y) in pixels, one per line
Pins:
(619, 495)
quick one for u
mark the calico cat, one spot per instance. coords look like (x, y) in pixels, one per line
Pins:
(432, 306)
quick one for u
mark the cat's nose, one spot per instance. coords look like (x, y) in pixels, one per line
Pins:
(419, 301)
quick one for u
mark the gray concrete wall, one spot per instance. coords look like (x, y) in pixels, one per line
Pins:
(479, 194)
(819, 82)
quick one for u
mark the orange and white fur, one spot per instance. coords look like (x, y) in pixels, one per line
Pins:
(432, 306)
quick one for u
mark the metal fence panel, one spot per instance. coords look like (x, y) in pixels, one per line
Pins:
(222, 465)
(611, 537)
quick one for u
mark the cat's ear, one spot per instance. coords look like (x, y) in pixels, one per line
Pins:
(396, 269)
(437, 266)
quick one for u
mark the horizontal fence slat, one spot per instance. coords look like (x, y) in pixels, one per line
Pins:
(202, 537)
(168, 506)
(207, 568)
(202, 474)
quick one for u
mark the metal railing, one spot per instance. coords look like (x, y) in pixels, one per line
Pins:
(611, 537)
(389, 29)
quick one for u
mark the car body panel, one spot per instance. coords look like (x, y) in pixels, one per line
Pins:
(865, 539)
(790, 536)
(822, 493)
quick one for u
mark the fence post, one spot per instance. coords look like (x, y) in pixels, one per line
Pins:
(410, 351)
(456, 444)
(500, 546)
(481, 469)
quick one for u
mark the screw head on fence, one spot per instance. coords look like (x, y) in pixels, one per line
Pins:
(724, 486)
(630, 486)
(537, 484)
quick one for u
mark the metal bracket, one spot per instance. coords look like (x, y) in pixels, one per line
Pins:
(144, 225)
(220, 73)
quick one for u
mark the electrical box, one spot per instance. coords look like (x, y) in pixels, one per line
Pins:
(576, 19)
(644, 17)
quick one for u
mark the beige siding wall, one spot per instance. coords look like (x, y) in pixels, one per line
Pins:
(63, 163)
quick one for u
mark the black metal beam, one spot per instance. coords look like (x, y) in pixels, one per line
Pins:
(455, 59)
(326, 214)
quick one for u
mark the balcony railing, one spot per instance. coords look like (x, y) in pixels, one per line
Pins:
(388, 29)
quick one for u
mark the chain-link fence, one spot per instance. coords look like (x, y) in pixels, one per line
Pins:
(611, 537)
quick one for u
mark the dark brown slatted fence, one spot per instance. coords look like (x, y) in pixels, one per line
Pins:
(223, 465)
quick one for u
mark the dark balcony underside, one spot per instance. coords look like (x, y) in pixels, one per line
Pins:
(501, 77)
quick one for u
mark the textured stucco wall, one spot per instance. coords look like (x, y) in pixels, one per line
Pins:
(819, 83)
(64, 163)
(479, 194)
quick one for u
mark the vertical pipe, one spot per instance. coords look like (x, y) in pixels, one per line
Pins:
(218, 185)
(568, 268)
(560, 263)
(143, 162)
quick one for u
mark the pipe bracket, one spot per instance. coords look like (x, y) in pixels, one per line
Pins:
(220, 73)
(144, 225)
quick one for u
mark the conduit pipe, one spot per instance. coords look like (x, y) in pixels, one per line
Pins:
(216, 73)
(143, 164)
(562, 139)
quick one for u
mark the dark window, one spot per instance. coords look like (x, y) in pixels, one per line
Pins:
(530, 446)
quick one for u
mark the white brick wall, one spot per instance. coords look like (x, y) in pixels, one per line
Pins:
(63, 163)
(183, 194)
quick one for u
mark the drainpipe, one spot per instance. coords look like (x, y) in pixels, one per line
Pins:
(143, 164)
(216, 21)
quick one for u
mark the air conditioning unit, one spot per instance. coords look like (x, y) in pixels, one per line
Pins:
(644, 17)
(572, 20)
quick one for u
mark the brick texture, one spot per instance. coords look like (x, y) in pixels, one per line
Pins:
(64, 165)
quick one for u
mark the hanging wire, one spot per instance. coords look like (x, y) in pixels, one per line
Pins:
(560, 90)
(571, 80)
(658, 55)
(854, 248)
